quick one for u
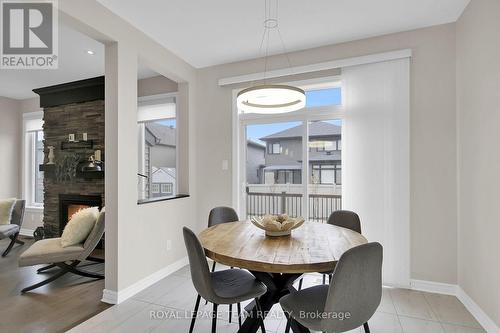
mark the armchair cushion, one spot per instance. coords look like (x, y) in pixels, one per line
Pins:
(7, 230)
(6, 207)
(48, 251)
(79, 227)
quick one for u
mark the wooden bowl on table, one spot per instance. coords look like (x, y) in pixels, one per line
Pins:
(277, 225)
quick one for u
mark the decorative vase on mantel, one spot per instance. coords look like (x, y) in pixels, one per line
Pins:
(51, 155)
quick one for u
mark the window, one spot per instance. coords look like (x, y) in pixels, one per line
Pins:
(166, 188)
(157, 140)
(274, 148)
(323, 97)
(300, 173)
(327, 174)
(33, 158)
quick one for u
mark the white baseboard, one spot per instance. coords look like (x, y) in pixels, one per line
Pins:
(485, 321)
(434, 287)
(452, 289)
(26, 232)
(117, 297)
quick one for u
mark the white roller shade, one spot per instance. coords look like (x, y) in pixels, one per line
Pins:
(33, 121)
(155, 112)
(376, 147)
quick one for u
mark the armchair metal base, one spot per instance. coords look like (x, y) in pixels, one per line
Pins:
(63, 269)
(13, 240)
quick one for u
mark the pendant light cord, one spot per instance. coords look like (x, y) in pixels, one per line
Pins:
(266, 36)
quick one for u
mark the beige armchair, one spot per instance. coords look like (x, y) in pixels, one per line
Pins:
(49, 251)
(12, 230)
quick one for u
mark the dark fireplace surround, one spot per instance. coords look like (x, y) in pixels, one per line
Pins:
(71, 108)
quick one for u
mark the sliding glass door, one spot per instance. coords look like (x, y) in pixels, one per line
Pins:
(292, 168)
(273, 169)
(325, 168)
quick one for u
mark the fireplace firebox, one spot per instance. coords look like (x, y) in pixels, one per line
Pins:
(71, 203)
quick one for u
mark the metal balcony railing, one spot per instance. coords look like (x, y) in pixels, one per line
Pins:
(320, 205)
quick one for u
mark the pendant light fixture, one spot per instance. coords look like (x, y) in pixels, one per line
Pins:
(271, 98)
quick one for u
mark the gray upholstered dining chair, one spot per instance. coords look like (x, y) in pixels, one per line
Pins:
(348, 302)
(222, 287)
(49, 251)
(216, 216)
(220, 215)
(12, 229)
(345, 219)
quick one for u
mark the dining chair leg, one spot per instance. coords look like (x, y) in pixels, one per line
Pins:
(213, 270)
(260, 314)
(329, 278)
(366, 327)
(288, 323)
(239, 314)
(195, 313)
(214, 319)
(324, 279)
(230, 312)
(300, 283)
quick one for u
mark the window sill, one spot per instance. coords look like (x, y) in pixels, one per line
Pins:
(34, 208)
(146, 201)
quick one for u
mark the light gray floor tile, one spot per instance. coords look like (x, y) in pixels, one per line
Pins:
(400, 311)
(449, 328)
(110, 318)
(146, 320)
(160, 288)
(412, 304)
(184, 271)
(449, 309)
(382, 322)
(386, 304)
(202, 325)
(414, 325)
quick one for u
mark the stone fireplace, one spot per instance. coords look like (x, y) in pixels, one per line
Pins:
(77, 109)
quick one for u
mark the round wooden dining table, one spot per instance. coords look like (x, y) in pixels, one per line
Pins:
(277, 261)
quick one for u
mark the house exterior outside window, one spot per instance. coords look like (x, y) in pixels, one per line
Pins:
(285, 167)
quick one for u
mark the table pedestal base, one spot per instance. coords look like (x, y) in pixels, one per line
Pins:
(278, 285)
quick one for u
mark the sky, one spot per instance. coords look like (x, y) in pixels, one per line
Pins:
(167, 122)
(313, 98)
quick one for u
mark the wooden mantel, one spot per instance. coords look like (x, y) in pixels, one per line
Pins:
(73, 92)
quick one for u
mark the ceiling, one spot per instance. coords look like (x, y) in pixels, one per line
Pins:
(74, 64)
(206, 33)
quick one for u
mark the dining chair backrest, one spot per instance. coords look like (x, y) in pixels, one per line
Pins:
(355, 289)
(222, 215)
(345, 219)
(198, 265)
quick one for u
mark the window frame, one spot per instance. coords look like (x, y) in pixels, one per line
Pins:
(32, 123)
(305, 115)
(271, 146)
(150, 100)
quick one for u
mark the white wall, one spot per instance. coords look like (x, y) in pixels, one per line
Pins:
(432, 138)
(10, 147)
(11, 151)
(137, 235)
(33, 217)
(478, 85)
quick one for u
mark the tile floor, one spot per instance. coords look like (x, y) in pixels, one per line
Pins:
(158, 309)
